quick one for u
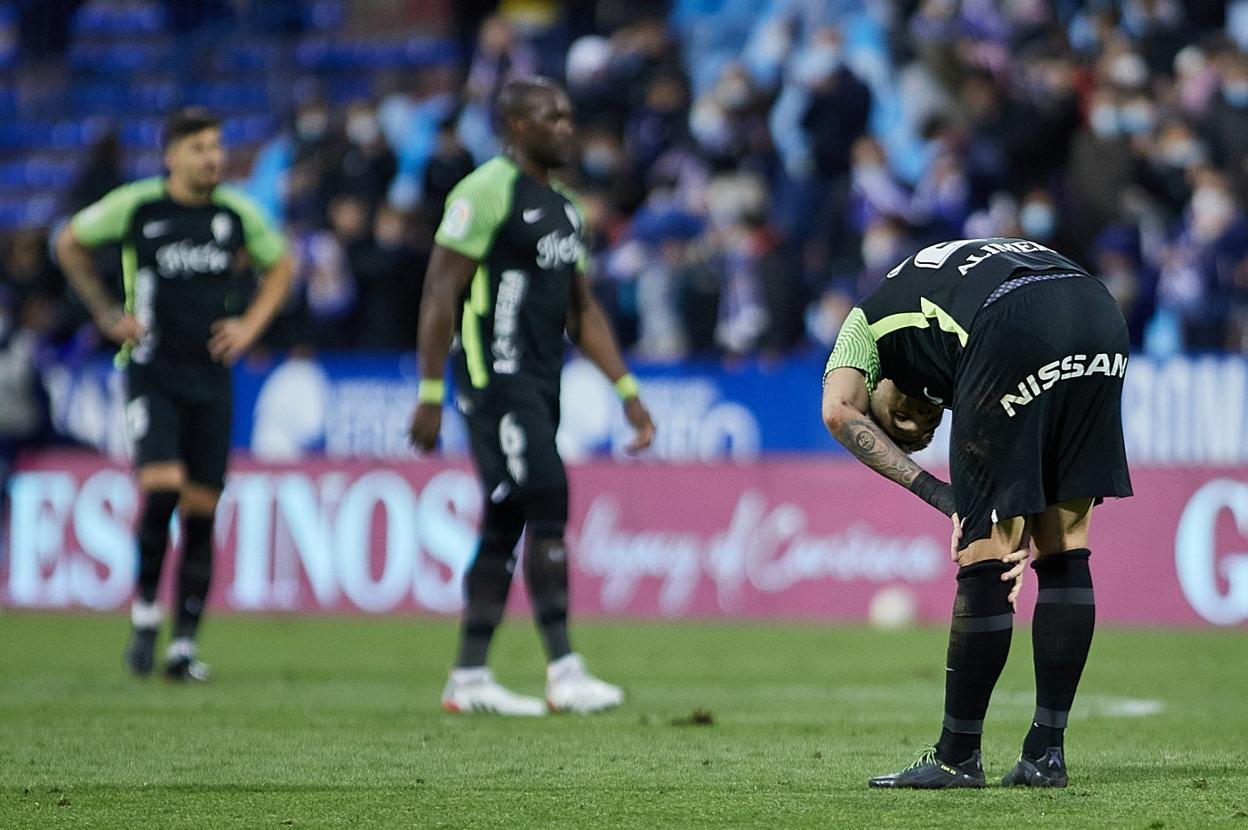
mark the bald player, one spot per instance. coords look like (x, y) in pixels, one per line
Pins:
(506, 280)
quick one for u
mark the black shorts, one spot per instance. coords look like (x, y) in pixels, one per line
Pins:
(1037, 409)
(188, 422)
(511, 430)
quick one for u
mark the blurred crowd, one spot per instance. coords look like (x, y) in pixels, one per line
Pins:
(751, 169)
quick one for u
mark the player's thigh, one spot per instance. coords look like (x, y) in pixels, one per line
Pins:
(1004, 538)
(206, 443)
(526, 438)
(155, 426)
(1062, 527)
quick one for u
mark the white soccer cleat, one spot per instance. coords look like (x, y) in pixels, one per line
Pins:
(571, 688)
(476, 690)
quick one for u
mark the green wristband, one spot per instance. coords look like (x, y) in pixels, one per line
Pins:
(431, 390)
(627, 387)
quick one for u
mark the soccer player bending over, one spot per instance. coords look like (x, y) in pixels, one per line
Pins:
(511, 251)
(186, 243)
(1028, 351)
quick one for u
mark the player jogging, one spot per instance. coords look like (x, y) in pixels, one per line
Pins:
(511, 251)
(186, 245)
(1029, 353)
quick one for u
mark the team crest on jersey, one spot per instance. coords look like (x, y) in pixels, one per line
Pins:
(222, 228)
(458, 217)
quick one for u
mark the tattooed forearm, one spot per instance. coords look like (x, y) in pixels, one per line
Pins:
(872, 446)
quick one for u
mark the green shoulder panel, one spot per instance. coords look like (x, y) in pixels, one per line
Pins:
(855, 348)
(264, 242)
(108, 219)
(476, 207)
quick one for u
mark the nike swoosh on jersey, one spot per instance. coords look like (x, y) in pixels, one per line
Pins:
(532, 215)
(935, 400)
(154, 229)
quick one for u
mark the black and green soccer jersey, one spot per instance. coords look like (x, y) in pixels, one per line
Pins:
(914, 327)
(181, 262)
(529, 240)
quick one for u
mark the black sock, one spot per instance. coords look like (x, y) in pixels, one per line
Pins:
(979, 642)
(195, 574)
(488, 581)
(153, 538)
(546, 575)
(1061, 635)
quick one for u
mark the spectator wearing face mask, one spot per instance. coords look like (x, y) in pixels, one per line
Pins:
(822, 110)
(365, 164)
(1040, 219)
(1102, 166)
(1119, 263)
(449, 163)
(389, 273)
(729, 125)
(1202, 268)
(1172, 158)
(1226, 123)
(659, 124)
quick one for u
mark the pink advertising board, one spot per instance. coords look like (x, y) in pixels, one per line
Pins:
(773, 539)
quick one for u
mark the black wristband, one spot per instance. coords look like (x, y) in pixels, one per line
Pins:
(934, 491)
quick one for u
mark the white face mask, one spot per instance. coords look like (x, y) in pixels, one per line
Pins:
(879, 249)
(1235, 93)
(1038, 220)
(312, 124)
(1212, 212)
(362, 129)
(1182, 153)
(1137, 117)
(1103, 121)
(816, 65)
(734, 93)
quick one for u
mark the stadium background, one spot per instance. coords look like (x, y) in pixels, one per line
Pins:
(749, 171)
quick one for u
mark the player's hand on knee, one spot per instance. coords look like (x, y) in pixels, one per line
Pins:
(425, 426)
(643, 427)
(1018, 566)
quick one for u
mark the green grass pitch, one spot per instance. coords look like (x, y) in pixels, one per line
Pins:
(327, 722)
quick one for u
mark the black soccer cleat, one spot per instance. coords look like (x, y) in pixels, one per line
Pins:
(1049, 770)
(931, 773)
(186, 670)
(140, 651)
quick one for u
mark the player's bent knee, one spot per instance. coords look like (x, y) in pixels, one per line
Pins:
(161, 476)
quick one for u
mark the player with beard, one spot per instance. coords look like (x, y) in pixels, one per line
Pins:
(187, 244)
(509, 265)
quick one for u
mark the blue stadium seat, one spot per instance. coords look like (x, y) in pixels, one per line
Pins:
(104, 20)
(254, 57)
(247, 130)
(229, 95)
(141, 133)
(320, 54)
(9, 46)
(325, 15)
(120, 57)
